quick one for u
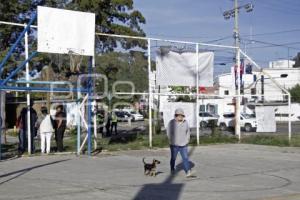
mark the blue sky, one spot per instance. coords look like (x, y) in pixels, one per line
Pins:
(272, 21)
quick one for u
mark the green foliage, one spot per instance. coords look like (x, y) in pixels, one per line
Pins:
(183, 90)
(120, 66)
(295, 93)
(266, 140)
(112, 16)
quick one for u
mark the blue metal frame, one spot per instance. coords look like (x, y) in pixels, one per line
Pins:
(20, 67)
(0, 137)
(40, 82)
(13, 48)
(87, 90)
(43, 89)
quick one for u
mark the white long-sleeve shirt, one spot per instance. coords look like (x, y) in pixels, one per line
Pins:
(178, 133)
(46, 125)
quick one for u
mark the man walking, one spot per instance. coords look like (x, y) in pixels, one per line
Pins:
(60, 122)
(178, 132)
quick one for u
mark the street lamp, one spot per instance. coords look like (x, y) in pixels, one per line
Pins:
(231, 13)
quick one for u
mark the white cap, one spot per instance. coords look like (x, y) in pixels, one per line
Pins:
(179, 111)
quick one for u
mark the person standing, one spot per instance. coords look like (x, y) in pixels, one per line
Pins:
(100, 121)
(23, 130)
(178, 133)
(108, 124)
(114, 123)
(46, 130)
(60, 123)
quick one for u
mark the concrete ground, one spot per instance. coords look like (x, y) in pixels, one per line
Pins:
(227, 172)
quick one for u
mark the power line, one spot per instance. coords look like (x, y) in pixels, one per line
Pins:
(277, 8)
(220, 39)
(269, 43)
(282, 5)
(274, 33)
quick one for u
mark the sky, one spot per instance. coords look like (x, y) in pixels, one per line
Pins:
(270, 32)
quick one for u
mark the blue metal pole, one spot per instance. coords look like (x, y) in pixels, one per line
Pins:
(42, 89)
(0, 136)
(20, 67)
(89, 106)
(41, 82)
(12, 49)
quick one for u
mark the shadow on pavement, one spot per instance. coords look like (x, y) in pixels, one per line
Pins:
(166, 190)
(26, 170)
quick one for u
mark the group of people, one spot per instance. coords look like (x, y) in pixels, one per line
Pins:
(110, 122)
(44, 126)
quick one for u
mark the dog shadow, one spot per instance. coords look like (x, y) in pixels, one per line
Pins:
(159, 172)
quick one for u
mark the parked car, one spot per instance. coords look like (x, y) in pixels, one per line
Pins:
(136, 116)
(207, 118)
(247, 122)
(122, 116)
(226, 121)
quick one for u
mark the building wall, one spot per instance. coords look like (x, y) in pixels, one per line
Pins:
(271, 91)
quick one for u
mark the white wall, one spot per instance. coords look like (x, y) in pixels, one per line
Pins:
(281, 64)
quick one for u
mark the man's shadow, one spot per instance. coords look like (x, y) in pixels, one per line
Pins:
(166, 190)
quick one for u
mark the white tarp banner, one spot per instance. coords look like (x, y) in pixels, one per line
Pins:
(265, 117)
(179, 69)
(168, 110)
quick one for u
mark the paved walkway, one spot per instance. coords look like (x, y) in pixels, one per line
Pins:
(225, 172)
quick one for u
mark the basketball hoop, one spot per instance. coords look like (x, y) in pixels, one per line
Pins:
(75, 60)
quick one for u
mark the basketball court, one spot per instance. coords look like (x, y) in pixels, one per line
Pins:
(224, 172)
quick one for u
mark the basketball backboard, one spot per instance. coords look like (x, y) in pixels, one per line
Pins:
(64, 31)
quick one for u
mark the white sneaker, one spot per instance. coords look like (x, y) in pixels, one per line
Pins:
(190, 175)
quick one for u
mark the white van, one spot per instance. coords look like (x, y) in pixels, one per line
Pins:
(247, 122)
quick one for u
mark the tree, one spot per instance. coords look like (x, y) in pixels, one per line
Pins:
(18, 11)
(124, 66)
(112, 16)
(295, 93)
(297, 60)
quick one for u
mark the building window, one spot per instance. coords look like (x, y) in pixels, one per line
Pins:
(226, 92)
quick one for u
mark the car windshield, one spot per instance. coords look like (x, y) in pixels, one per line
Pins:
(247, 116)
(229, 115)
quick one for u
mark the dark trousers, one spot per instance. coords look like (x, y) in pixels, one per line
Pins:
(23, 141)
(114, 126)
(184, 155)
(108, 133)
(59, 136)
(101, 130)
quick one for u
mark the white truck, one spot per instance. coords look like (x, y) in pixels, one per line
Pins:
(247, 122)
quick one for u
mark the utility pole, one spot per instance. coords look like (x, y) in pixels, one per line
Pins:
(238, 65)
(237, 76)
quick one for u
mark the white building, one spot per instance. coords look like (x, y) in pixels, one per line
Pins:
(255, 84)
